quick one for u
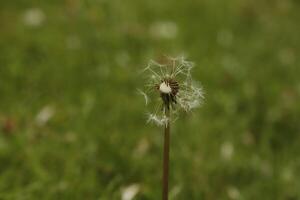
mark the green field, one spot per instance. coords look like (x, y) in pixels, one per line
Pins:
(73, 126)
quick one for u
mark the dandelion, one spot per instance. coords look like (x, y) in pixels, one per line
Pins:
(169, 89)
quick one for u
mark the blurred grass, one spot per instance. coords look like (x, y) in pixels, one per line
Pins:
(79, 60)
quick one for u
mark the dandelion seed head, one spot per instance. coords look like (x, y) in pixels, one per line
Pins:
(172, 84)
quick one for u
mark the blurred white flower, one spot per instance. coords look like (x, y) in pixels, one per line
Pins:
(163, 30)
(233, 192)
(34, 17)
(170, 87)
(130, 192)
(227, 150)
(45, 114)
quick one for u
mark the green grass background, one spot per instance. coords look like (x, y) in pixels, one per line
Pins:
(82, 62)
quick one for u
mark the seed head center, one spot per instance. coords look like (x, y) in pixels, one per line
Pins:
(165, 88)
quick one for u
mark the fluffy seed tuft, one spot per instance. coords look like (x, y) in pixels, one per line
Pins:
(173, 82)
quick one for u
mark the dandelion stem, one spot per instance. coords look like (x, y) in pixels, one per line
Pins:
(165, 181)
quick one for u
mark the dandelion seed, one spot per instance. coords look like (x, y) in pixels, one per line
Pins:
(159, 120)
(144, 95)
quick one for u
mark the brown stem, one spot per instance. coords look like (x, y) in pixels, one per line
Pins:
(165, 181)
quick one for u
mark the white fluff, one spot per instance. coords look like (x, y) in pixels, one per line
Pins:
(130, 192)
(164, 88)
(189, 96)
